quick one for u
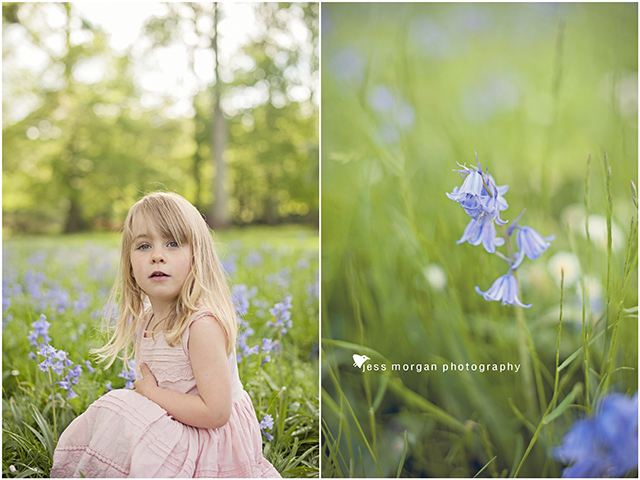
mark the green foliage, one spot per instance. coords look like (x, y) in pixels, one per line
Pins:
(408, 91)
(67, 278)
(78, 153)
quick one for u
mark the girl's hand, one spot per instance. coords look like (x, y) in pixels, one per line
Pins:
(147, 384)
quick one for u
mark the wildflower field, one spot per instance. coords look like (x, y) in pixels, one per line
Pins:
(54, 291)
(479, 240)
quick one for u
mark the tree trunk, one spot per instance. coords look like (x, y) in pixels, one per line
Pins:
(219, 216)
(73, 222)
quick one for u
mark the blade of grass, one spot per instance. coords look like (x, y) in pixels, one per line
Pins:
(485, 466)
(577, 390)
(46, 431)
(521, 417)
(585, 292)
(353, 415)
(555, 388)
(404, 453)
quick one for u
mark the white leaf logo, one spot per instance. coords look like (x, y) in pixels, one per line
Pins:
(358, 360)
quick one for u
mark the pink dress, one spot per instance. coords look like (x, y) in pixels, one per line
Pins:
(124, 434)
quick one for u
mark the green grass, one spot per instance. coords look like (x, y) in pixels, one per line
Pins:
(276, 261)
(387, 226)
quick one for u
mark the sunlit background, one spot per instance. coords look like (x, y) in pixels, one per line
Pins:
(104, 101)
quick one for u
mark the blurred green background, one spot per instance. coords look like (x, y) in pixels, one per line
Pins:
(92, 120)
(408, 90)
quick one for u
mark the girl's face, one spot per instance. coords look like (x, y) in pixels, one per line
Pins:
(159, 265)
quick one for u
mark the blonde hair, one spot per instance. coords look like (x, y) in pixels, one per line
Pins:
(205, 287)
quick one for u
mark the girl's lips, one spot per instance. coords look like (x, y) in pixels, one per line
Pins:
(158, 275)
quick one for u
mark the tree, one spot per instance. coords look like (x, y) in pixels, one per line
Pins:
(85, 149)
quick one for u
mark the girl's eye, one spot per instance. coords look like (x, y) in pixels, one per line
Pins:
(144, 246)
(173, 244)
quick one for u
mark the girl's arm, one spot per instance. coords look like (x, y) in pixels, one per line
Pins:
(211, 408)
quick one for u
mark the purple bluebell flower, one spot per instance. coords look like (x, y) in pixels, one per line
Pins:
(75, 372)
(266, 422)
(605, 445)
(483, 200)
(253, 259)
(108, 386)
(89, 366)
(480, 197)
(504, 289)
(58, 368)
(281, 278)
(45, 365)
(482, 232)
(83, 302)
(229, 264)
(129, 374)
(531, 243)
(241, 294)
(269, 345)
(281, 315)
(348, 65)
(472, 185)
(40, 329)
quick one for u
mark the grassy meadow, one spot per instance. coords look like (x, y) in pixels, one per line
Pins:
(67, 279)
(546, 94)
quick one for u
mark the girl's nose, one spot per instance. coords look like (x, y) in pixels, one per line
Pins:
(157, 257)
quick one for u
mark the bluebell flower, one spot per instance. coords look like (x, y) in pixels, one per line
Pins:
(40, 329)
(482, 232)
(382, 99)
(266, 422)
(480, 197)
(281, 315)
(253, 350)
(348, 64)
(253, 259)
(483, 200)
(531, 243)
(229, 265)
(129, 374)
(45, 365)
(504, 289)
(605, 445)
(89, 366)
(109, 387)
(472, 185)
(58, 368)
(268, 345)
(241, 294)
(75, 372)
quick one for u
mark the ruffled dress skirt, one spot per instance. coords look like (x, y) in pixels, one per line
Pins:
(124, 434)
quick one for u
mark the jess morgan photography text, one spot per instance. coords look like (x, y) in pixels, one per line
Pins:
(360, 361)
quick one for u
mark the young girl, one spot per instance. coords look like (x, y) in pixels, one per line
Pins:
(189, 415)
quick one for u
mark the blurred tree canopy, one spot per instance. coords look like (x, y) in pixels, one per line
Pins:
(80, 147)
